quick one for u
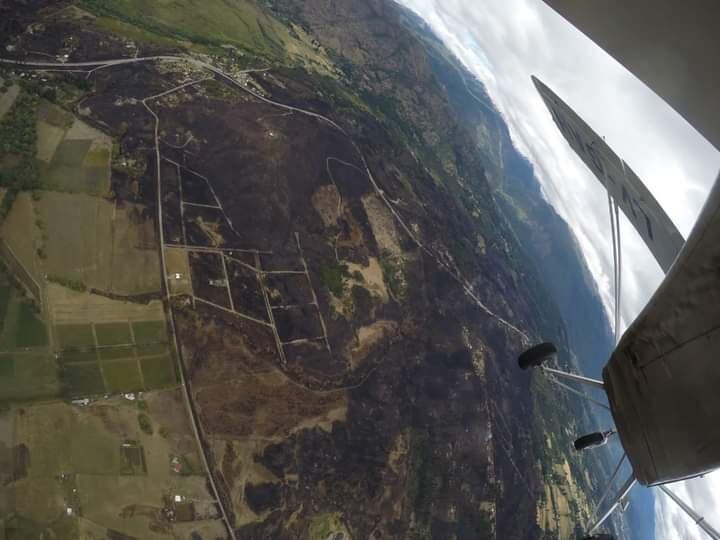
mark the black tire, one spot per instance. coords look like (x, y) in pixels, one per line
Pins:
(603, 536)
(590, 441)
(536, 355)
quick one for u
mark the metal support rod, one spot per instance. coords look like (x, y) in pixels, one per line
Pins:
(610, 482)
(697, 518)
(618, 298)
(615, 260)
(577, 392)
(577, 378)
(618, 499)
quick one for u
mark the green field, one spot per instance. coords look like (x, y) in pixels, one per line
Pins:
(206, 26)
(7, 365)
(151, 350)
(217, 22)
(56, 116)
(147, 332)
(4, 301)
(31, 330)
(79, 356)
(158, 371)
(98, 157)
(74, 336)
(122, 376)
(21, 326)
(116, 353)
(34, 376)
(106, 361)
(113, 333)
(79, 380)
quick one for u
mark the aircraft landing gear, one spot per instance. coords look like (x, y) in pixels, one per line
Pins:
(536, 356)
(593, 440)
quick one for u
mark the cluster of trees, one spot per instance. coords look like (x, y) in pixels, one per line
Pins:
(72, 284)
(18, 145)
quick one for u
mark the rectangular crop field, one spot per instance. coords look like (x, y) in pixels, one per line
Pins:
(31, 330)
(113, 333)
(152, 349)
(27, 376)
(78, 356)
(4, 301)
(21, 325)
(148, 332)
(21, 234)
(7, 366)
(122, 376)
(80, 380)
(158, 371)
(117, 353)
(74, 336)
(97, 244)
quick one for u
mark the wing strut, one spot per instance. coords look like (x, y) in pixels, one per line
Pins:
(629, 484)
(697, 518)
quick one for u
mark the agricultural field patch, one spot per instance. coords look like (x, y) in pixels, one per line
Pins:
(92, 243)
(21, 235)
(158, 371)
(31, 330)
(49, 138)
(149, 332)
(71, 153)
(53, 123)
(152, 349)
(242, 24)
(5, 291)
(7, 365)
(56, 116)
(78, 356)
(27, 376)
(133, 455)
(113, 333)
(116, 353)
(22, 325)
(80, 380)
(72, 336)
(122, 376)
(96, 460)
(74, 307)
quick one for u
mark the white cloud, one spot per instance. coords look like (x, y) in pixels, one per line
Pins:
(504, 42)
(672, 523)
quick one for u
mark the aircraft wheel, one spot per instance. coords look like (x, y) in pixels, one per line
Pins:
(590, 441)
(536, 355)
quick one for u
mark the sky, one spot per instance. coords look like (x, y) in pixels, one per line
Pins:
(504, 42)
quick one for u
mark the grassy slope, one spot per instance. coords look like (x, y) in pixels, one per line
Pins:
(207, 25)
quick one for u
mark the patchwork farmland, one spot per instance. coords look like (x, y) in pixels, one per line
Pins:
(95, 439)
